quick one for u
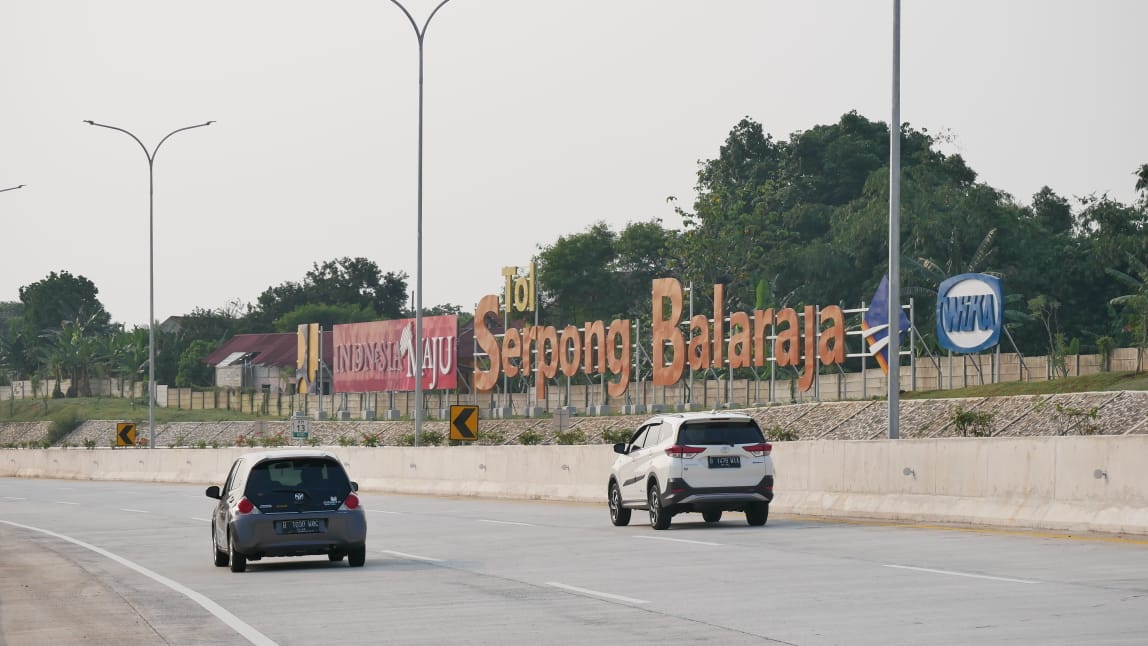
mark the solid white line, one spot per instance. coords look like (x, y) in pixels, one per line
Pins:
(595, 593)
(383, 511)
(238, 625)
(65, 502)
(964, 574)
(135, 511)
(206, 520)
(505, 522)
(677, 540)
(13, 498)
(404, 555)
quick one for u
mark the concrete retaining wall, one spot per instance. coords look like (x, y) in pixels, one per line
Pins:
(1064, 483)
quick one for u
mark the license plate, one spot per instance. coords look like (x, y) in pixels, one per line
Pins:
(307, 526)
(725, 461)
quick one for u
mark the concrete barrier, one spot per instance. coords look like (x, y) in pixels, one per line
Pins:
(1065, 483)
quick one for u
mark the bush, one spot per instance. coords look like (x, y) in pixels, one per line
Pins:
(615, 435)
(89, 444)
(432, 438)
(972, 423)
(491, 437)
(62, 425)
(573, 436)
(371, 439)
(346, 440)
(530, 437)
(778, 434)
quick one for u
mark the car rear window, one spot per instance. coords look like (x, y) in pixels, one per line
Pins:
(297, 484)
(712, 432)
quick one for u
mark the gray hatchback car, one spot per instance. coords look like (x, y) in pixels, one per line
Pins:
(292, 502)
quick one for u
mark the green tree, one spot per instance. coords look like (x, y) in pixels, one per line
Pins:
(1135, 302)
(344, 281)
(61, 297)
(192, 370)
(324, 315)
(571, 274)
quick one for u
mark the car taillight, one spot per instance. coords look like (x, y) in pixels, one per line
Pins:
(684, 451)
(758, 450)
(351, 501)
(245, 506)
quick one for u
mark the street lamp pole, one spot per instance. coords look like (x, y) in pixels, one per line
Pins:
(11, 188)
(151, 263)
(420, 34)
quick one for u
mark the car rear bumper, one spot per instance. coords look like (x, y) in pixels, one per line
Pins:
(255, 534)
(680, 494)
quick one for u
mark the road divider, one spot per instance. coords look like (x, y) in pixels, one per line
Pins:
(1084, 483)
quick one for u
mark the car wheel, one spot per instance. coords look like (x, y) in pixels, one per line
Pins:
(659, 517)
(357, 556)
(221, 557)
(238, 561)
(619, 515)
(335, 557)
(711, 516)
(757, 513)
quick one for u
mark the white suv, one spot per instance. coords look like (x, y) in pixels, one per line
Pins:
(693, 462)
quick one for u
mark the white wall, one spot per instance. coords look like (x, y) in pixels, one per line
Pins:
(1038, 482)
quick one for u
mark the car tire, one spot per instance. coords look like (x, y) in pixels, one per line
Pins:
(357, 556)
(619, 515)
(221, 557)
(335, 557)
(659, 516)
(238, 561)
(711, 516)
(757, 513)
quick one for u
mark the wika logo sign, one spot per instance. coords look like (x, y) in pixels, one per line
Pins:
(970, 312)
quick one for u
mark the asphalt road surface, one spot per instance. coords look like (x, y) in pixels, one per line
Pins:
(130, 563)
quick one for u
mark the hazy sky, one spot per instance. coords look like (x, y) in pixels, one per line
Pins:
(541, 118)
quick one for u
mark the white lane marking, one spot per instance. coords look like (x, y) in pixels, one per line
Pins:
(383, 511)
(65, 502)
(238, 625)
(206, 520)
(595, 593)
(964, 574)
(678, 540)
(13, 498)
(404, 555)
(505, 522)
(135, 511)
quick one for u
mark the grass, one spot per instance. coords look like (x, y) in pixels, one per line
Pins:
(1088, 383)
(112, 408)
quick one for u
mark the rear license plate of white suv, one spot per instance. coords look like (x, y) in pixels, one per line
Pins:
(725, 461)
(308, 526)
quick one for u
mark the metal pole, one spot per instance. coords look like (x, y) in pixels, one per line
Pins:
(420, 34)
(11, 188)
(895, 233)
(151, 262)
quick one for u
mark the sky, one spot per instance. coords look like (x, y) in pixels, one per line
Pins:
(541, 118)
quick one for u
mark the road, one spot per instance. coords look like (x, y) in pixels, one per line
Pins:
(130, 563)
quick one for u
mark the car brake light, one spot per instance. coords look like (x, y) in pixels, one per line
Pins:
(245, 506)
(684, 451)
(351, 501)
(758, 450)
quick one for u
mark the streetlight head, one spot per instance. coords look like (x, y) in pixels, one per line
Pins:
(89, 122)
(209, 123)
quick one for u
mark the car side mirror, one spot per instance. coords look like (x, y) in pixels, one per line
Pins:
(213, 492)
(354, 486)
(620, 447)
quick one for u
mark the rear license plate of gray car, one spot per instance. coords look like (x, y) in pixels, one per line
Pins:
(725, 461)
(307, 526)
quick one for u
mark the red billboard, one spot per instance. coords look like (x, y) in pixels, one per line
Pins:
(380, 355)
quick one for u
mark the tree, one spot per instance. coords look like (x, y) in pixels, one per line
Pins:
(61, 297)
(1136, 302)
(324, 315)
(344, 281)
(192, 370)
(572, 273)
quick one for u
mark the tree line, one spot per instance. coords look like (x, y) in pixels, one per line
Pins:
(779, 222)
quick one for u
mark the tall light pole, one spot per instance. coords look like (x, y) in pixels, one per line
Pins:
(420, 34)
(12, 188)
(894, 347)
(151, 264)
